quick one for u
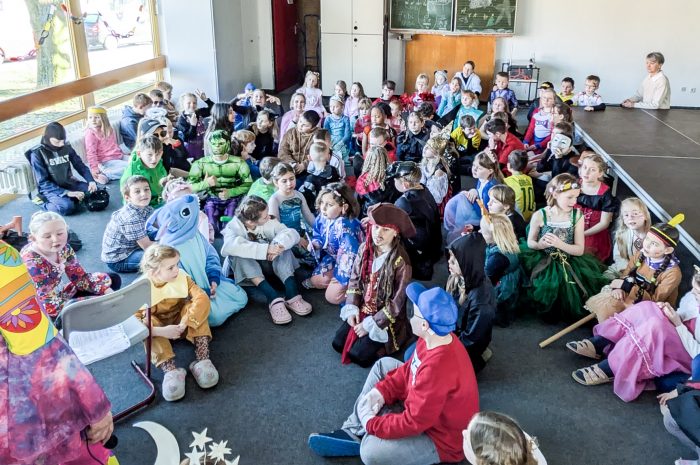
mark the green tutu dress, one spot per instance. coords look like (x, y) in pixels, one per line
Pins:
(559, 283)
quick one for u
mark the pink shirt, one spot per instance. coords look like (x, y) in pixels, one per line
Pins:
(100, 149)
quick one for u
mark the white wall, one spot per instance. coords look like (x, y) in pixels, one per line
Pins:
(218, 46)
(608, 38)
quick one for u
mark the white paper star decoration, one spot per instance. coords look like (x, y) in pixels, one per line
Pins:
(235, 461)
(218, 450)
(200, 440)
(195, 456)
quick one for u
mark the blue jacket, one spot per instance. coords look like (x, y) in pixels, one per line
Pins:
(128, 126)
(52, 169)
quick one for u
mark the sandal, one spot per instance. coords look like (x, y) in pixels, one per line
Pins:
(204, 373)
(174, 384)
(279, 313)
(584, 348)
(591, 376)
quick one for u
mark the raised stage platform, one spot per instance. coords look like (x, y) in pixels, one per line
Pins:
(657, 154)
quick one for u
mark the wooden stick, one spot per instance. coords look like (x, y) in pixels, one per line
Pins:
(567, 330)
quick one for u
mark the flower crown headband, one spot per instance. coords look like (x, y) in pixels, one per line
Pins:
(567, 186)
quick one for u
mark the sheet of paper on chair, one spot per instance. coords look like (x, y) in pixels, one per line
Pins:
(91, 346)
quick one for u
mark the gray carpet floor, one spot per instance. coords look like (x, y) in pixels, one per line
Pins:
(278, 384)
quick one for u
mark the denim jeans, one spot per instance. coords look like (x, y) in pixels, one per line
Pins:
(129, 265)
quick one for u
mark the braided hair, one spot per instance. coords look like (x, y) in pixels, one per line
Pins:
(385, 281)
(642, 284)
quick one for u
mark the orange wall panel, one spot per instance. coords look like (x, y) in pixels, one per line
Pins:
(428, 52)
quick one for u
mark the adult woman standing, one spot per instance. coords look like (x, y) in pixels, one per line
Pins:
(654, 93)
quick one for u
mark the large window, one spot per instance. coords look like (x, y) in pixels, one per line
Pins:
(64, 43)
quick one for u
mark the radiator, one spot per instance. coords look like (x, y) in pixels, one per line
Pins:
(16, 176)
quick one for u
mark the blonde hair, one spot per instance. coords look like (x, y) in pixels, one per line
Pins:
(244, 136)
(504, 194)
(440, 150)
(164, 86)
(183, 97)
(314, 74)
(154, 256)
(503, 233)
(375, 164)
(39, 219)
(556, 184)
(598, 160)
(621, 229)
(106, 129)
(483, 160)
(423, 77)
(497, 439)
(364, 104)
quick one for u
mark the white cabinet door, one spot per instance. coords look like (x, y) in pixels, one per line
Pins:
(367, 16)
(336, 16)
(336, 60)
(368, 62)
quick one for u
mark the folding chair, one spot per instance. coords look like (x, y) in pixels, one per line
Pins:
(105, 311)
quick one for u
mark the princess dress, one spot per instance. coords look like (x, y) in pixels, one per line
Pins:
(592, 208)
(559, 282)
(340, 240)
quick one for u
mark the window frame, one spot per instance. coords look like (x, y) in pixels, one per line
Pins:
(85, 84)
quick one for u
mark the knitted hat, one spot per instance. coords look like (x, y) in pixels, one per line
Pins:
(436, 305)
(386, 214)
(667, 232)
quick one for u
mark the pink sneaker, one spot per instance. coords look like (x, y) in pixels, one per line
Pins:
(298, 305)
(279, 313)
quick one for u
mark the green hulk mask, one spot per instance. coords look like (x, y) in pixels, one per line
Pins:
(219, 144)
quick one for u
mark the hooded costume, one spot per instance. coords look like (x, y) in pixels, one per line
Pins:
(47, 396)
(477, 308)
(176, 223)
(153, 175)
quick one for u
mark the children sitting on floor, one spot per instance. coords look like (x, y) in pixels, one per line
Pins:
(501, 143)
(52, 163)
(264, 187)
(131, 115)
(321, 173)
(521, 183)
(500, 89)
(290, 119)
(440, 86)
(437, 167)
(494, 438)
(487, 174)
(474, 294)
(374, 314)
(502, 200)
(338, 125)
(146, 162)
(255, 244)
(410, 143)
(540, 129)
(294, 147)
(653, 273)
(125, 237)
(379, 116)
(589, 99)
(632, 226)
(175, 225)
(567, 94)
(425, 248)
(179, 308)
(554, 260)
(502, 265)
(335, 158)
(190, 122)
(555, 160)
(598, 205)
(266, 135)
(357, 92)
(104, 156)
(58, 276)
(289, 206)
(388, 89)
(644, 344)
(314, 96)
(246, 144)
(467, 139)
(167, 89)
(373, 185)
(222, 178)
(179, 187)
(450, 98)
(466, 107)
(336, 238)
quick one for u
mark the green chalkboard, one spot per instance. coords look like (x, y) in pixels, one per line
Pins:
(422, 15)
(485, 16)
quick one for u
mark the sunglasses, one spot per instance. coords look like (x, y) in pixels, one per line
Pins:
(161, 133)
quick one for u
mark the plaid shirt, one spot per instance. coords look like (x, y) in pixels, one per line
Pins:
(127, 225)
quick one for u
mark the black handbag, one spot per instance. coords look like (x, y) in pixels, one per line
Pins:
(97, 201)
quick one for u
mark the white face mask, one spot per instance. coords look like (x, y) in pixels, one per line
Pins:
(560, 143)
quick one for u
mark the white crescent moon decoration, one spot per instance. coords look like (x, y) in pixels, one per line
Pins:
(168, 448)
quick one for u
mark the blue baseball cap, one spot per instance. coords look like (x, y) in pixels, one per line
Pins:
(250, 86)
(438, 307)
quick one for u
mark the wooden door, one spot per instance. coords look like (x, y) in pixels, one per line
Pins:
(285, 44)
(428, 52)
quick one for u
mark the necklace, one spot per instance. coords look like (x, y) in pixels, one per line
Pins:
(638, 241)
